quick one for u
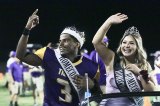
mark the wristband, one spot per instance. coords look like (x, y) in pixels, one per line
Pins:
(26, 32)
(144, 74)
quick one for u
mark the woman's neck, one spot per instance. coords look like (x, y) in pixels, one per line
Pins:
(130, 60)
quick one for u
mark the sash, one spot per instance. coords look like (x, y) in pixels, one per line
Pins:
(71, 72)
(127, 82)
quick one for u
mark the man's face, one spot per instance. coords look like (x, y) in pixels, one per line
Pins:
(67, 45)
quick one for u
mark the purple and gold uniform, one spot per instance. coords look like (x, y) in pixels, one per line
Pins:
(58, 89)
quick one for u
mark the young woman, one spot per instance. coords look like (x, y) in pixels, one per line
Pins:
(128, 67)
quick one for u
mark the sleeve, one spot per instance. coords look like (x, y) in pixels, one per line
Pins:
(40, 52)
(10, 61)
(92, 56)
(10, 68)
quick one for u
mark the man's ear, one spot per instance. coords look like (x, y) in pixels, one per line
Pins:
(78, 44)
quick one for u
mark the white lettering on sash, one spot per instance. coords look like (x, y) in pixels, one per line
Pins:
(133, 86)
(69, 68)
(71, 72)
(128, 83)
(120, 80)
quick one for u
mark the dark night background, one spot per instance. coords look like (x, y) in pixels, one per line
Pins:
(87, 15)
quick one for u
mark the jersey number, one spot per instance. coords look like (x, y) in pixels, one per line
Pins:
(66, 91)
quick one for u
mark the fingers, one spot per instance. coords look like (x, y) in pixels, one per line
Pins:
(122, 16)
(125, 18)
(128, 67)
(118, 18)
(34, 19)
(118, 14)
(35, 12)
(34, 16)
(79, 81)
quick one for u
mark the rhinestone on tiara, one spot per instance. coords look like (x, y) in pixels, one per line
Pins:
(132, 31)
(82, 35)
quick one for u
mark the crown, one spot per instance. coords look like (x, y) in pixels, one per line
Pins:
(132, 31)
(80, 36)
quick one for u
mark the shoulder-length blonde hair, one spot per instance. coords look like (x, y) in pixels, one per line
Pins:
(141, 55)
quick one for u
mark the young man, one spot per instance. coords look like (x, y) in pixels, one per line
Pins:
(64, 70)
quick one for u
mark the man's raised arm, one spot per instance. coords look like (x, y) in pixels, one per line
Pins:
(31, 59)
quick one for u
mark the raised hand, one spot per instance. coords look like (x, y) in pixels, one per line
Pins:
(117, 18)
(33, 20)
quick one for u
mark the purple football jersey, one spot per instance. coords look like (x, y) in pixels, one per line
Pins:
(58, 88)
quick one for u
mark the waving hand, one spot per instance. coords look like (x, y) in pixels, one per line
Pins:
(117, 18)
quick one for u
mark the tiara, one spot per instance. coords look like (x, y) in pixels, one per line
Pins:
(80, 36)
(132, 31)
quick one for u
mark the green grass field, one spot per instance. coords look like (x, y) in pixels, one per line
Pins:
(5, 99)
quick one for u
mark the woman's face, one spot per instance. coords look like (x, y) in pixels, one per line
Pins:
(128, 46)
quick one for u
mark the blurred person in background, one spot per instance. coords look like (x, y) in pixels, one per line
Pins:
(15, 75)
(103, 70)
(156, 73)
(11, 59)
(37, 78)
(37, 83)
(31, 48)
(84, 52)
